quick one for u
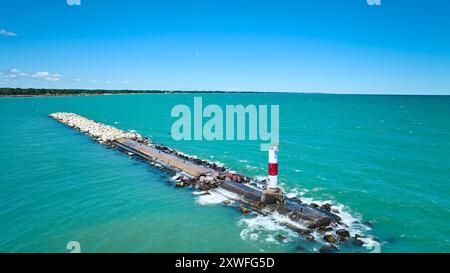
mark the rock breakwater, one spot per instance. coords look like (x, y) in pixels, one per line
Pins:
(99, 131)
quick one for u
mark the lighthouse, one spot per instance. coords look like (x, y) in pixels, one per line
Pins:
(273, 168)
(272, 195)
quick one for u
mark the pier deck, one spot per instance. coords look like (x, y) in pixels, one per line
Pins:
(162, 157)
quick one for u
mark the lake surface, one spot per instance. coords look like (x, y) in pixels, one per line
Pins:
(384, 160)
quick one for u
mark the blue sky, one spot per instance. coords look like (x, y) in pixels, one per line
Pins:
(335, 46)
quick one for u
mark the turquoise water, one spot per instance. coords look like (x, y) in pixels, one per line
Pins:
(383, 159)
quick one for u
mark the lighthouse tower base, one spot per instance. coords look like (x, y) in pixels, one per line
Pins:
(272, 196)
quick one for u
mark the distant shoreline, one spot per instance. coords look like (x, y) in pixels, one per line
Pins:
(37, 92)
(6, 92)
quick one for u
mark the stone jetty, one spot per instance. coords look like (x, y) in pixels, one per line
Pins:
(247, 193)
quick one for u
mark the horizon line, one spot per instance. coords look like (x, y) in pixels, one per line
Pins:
(221, 91)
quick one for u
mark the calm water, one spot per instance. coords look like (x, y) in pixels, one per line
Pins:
(384, 159)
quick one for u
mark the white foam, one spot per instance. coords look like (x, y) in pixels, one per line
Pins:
(271, 239)
(212, 198)
(250, 167)
(297, 192)
(261, 227)
(176, 177)
(372, 245)
(200, 192)
(219, 164)
(261, 178)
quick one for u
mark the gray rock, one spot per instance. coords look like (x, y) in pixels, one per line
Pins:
(323, 230)
(244, 210)
(322, 222)
(326, 207)
(343, 233)
(330, 238)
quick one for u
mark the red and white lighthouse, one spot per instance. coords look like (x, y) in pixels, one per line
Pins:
(273, 195)
(273, 168)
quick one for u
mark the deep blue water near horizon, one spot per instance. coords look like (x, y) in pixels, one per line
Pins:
(385, 159)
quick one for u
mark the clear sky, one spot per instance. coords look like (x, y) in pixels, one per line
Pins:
(337, 46)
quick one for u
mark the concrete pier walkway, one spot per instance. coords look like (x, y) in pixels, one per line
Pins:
(163, 158)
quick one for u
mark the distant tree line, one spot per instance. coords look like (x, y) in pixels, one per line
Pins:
(55, 92)
(7, 91)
